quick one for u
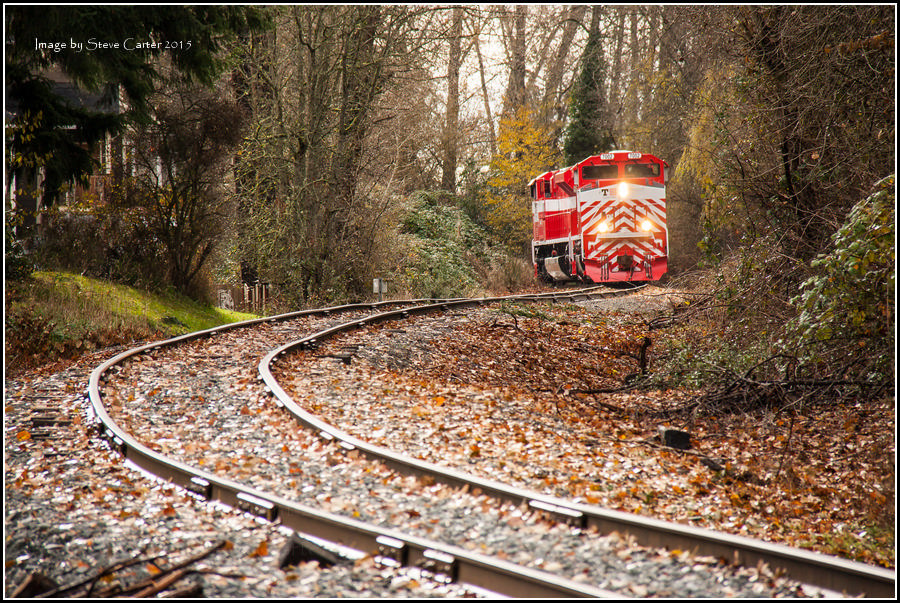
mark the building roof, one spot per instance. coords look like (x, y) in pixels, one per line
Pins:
(63, 86)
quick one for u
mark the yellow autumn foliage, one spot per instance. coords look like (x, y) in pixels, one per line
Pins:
(525, 148)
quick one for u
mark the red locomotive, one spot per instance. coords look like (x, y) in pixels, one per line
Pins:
(601, 220)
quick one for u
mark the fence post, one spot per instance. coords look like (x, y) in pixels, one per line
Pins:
(379, 286)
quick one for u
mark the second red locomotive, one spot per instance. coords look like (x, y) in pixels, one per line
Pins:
(601, 220)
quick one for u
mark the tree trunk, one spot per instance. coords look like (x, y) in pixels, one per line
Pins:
(553, 93)
(515, 90)
(487, 99)
(451, 126)
(615, 97)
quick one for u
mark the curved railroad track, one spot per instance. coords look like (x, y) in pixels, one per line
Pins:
(250, 490)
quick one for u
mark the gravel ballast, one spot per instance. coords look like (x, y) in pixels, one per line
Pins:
(73, 507)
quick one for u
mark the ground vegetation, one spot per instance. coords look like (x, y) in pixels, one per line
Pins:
(53, 318)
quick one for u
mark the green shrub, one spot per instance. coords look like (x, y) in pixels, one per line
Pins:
(105, 242)
(16, 262)
(846, 311)
(446, 253)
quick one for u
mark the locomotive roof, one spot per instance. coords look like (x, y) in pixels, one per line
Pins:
(539, 176)
(569, 167)
(619, 152)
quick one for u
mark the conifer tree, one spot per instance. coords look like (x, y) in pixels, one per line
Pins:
(104, 50)
(589, 131)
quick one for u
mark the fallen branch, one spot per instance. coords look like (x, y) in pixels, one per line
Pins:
(787, 447)
(717, 465)
(92, 580)
(680, 313)
(743, 394)
(574, 393)
(167, 577)
(150, 586)
(162, 584)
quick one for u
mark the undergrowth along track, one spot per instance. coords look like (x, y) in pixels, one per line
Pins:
(812, 568)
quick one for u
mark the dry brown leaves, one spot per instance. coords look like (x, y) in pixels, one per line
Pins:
(820, 477)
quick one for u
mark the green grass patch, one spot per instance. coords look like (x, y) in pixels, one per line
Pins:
(866, 543)
(524, 310)
(54, 315)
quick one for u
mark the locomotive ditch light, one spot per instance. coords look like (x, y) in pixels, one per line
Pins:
(646, 226)
(603, 226)
(623, 189)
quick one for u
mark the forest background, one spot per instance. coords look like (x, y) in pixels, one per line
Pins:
(318, 147)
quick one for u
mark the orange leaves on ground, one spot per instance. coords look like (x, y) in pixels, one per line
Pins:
(169, 511)
(262, 550)
(536, 353)
(506, 391)
(152, 569)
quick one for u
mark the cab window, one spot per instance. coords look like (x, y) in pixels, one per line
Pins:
(599, 172)
(641, 170)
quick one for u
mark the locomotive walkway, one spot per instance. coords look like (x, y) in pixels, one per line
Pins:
(201, 404)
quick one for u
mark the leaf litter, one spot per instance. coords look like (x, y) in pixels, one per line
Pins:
(528, 395)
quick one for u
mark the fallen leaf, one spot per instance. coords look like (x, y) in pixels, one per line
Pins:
(262, 550)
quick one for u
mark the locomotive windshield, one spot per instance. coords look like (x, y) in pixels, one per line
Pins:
(600, 172)
(641, 170)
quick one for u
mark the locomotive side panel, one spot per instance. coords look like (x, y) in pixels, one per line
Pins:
(555, 226)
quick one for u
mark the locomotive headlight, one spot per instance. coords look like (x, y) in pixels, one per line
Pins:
(623, 189)
(646, 225)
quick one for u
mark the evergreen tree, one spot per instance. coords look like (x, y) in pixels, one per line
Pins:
(103, 50)
(589, 131)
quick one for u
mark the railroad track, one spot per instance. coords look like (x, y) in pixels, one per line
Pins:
(400, 548)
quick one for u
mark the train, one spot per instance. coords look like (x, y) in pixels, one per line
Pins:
(602, 220)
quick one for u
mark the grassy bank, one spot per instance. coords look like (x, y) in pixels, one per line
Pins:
(52, 316)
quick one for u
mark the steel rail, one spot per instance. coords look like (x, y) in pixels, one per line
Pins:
(455, 563)
(824, 571)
